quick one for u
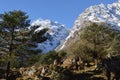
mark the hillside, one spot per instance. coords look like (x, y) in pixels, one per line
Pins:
(109, 14)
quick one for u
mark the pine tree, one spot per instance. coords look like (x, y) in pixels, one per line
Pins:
(12, 36)
(114, 46)
(94, 37)
(99, 40)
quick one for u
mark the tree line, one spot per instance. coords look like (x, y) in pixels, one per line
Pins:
(97, 41)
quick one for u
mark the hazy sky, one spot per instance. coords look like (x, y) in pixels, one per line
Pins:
(63, 11)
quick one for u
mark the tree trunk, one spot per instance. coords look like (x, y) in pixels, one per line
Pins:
(10, 53)
(8, 64)
(8, 70)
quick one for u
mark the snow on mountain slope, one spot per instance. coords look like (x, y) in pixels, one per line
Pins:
(56, 34)
(99, 13)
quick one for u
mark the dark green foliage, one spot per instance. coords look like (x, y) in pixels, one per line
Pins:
(16, 63)
(48, 58)
(61, 54)
(96, 39)
(11, 28)
(42, 58)
(45, 59)
(17, 40)
(82, 51)
(59, 73)
(38, 36)
(14, 38)
(114, 46)
(11, 36)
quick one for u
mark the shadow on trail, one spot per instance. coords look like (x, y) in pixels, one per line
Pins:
(97, 78)
(89, 75)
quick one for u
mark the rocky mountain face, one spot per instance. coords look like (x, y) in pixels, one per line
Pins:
(55, 35)
(109, 14)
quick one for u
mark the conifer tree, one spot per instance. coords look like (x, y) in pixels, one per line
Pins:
(12, 34)
(99, 40)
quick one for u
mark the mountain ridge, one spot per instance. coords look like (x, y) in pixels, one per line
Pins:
(109, 14)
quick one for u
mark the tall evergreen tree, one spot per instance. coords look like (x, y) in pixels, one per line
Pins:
(12, 34)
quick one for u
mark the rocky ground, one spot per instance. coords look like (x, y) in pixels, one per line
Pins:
(65, 71)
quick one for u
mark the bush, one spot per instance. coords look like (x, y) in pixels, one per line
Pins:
(61, 54)
(48, 58)
(59, 73)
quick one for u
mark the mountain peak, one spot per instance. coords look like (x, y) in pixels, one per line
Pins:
(41, 22)
(55, 35)
(109, 14)
(119, 1)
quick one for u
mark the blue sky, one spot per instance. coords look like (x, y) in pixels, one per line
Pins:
(63, 11)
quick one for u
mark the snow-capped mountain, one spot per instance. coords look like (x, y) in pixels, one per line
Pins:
(109, 14)
(55, 35)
